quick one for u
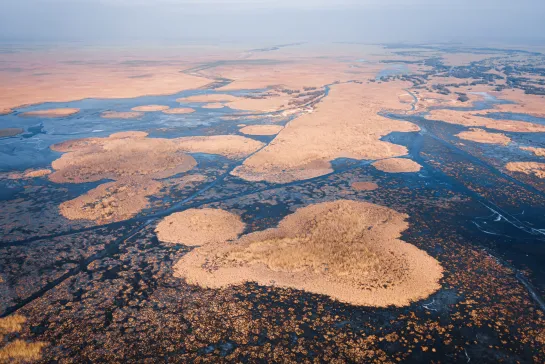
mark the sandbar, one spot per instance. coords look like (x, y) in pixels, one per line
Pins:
(196, 227)
(482, 136)
(261, 129)
(347, 250)
(51, 113)
(397, 165)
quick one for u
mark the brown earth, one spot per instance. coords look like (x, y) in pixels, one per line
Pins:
(121, 114)
(150, 108)
(8, 132)
(540, 152)
(531, 168)
(179, 110)
(231, 146)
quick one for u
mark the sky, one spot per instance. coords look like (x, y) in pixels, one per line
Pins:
(270, 21)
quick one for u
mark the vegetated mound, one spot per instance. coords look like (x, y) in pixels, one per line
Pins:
(119, 156)
(17, 351)
(195, 227)
(179, 110)
(5, 111)
(131, 159)
(150, 108)
(482, 136)
(540, 152)
(261, 129)
(113, 201)
(469, 118)
(347, 250)
(364, 186)
(8, 132)
(231, 146)
(535, 168)
(29, 173)
(51, 113)
(345, 124)
(121, 114)
(397, 165)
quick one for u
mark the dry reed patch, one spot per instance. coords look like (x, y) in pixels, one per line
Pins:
(261, 129)
(347, 250)
(530, 168)
(214, 105)
(196, 227)
(208, 98)
(8, 132)
(364, 186)
(231, 146)
(397, 165)
(51, 113)
(482, 136)
(179, 111)
(18, 350)
(131, 159)
(344, 124)
(540, 152)
(119, 156)
(121, 114)
(150, 108)
(472, 120)
(110, 202)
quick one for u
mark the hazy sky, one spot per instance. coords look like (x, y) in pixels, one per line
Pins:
(272, 20)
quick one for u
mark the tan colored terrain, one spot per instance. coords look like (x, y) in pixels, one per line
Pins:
(524, 103)
(8, 132)
(347, 250)
(51, 113)
(482, 136)
(261, 129)
(232, 146)
(345, 124)
(121, 114)
(531, 168)
(196, 227)
(119, 156)
(150, 108)
(364, 186)
(397, 165)
(208, 98)
(540, 152)
(179, 110)
(470, 119)
(75, 74)
(17, 350)
(29, 173)
(214, 105)
(112, 201)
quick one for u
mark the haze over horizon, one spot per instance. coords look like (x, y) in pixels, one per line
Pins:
(271, 21)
